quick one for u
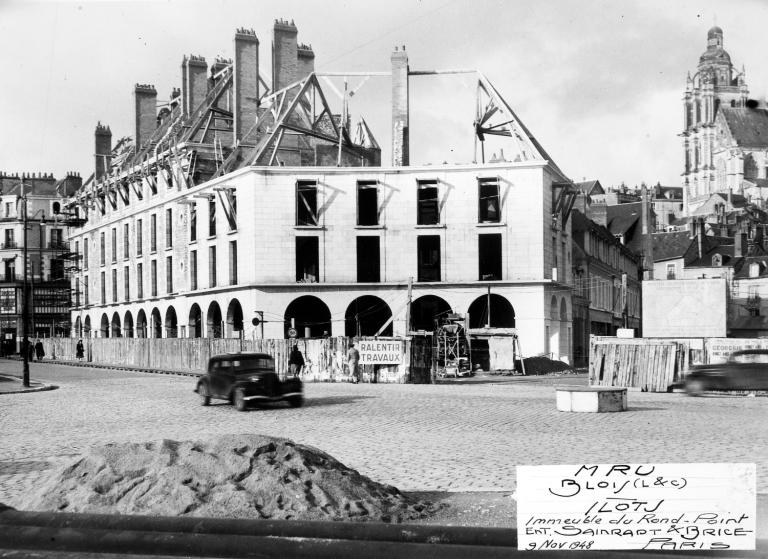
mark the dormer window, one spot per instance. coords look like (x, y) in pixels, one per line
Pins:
(754, 270)
(717, 260)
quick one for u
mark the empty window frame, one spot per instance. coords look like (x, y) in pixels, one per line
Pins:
(103, 254)
(428, 250)
(307, 259)
(306, 203)
(211, 266)
(153, 278)
(169, 274)
(114, 286)
(232, 262)
(428, 207)
(126, 284)
(114, 244)
(193, 270)
(140, 281)
(153, 233)
(489, 203)
(211, 216)
(86, 297)
(103, 288)
(86, 243)
(368, 259)
(367, 203)
(489, 256)
(168, 228)
(139, 237)
(193, 222)
(126, 242)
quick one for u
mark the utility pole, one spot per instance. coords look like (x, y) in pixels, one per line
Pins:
(24, 298)
(488, 305)
(408, 306)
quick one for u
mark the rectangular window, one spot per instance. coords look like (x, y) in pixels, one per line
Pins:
(153, 278)
(10, 241)
(114, 286)
(193, 270)
(670, 271)
(139, 237)
(57, 239)
(306, 203)
(367, 203)
(211, 266)
(103, 288)
(368, 265)
(126, 283)
(168, 228)
(114, 244)
(103, 257)
(86, 298)
(126, 242)
(233, 263)
(211, 216)
(232, 217)
(140, 280)
(10, 270)
(488, 197)
(86, 242)
(307, 259)
(428, 211)
(153, 233)
(489, 256)
(428, 248)
(193, 222)
(169, 274)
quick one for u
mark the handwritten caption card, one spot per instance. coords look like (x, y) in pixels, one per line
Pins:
(637, 506)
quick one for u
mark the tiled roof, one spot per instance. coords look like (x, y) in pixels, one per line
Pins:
(670, 245)
(668, 192)
(748, 127)
(587, 187)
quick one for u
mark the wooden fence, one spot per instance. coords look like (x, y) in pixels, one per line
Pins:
(325, 358)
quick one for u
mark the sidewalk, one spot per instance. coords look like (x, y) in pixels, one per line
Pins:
(11, 384)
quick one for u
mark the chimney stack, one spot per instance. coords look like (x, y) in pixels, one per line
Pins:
(306, 61)
(400, 142)
(740, 246)
(145, 97)
(646, 228)
(103, 151)
(700, 236)
(245, 82)
(194, 83)
(284, 54)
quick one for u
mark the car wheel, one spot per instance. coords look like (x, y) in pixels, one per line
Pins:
(296, 401)
(205, 396)
(695, 387)
(239, 400)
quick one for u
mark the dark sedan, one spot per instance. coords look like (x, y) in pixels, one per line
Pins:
(744, 370)
(245, 378)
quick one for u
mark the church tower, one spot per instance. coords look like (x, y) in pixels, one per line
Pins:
(714, 85)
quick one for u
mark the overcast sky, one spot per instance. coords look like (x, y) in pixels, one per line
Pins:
(599, 83)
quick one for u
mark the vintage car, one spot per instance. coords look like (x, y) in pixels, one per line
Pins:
(245, 378)
(744, 370)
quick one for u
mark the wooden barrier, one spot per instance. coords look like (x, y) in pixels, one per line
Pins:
(648, 364)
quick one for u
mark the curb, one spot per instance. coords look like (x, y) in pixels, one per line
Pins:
(93, 365)
(41, 388)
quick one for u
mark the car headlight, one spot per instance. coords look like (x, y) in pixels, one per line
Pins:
(254, 379)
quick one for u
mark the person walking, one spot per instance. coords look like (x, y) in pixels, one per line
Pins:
(39, 351)
(79, 350)
(353, 358)
(295, 361)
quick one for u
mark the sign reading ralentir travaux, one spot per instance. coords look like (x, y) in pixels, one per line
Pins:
(380, 352)
(637, 506)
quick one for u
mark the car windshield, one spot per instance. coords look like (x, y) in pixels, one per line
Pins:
(253, 364)
(750, 358)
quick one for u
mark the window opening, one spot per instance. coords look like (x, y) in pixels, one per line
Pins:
(428, 209)
(428, 248)
(367, 203)
(488, 201)
(306, 203)
(489, 256)
(307, 259)
(368, 259)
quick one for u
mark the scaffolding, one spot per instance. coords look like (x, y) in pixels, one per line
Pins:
(452, 355)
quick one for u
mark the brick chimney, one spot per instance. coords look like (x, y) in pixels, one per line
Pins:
(246, 81)
(646, 218)
(194, 83)
(305, 62)
(145, 97)
(284, 54)
(103, 150)
(400, 141)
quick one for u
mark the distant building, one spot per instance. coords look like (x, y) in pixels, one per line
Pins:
(668, 211)
(49, 259)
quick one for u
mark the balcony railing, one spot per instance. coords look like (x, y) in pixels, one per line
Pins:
(58, 245)
(9, 244)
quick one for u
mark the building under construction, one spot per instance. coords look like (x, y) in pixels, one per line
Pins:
(259, 195)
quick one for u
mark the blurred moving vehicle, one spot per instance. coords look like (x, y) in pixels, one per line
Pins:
(744, 370)
(245, 378)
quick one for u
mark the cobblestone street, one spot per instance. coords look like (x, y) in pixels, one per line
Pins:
(459, 437)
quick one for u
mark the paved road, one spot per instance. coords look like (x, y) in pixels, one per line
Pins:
(417, 437)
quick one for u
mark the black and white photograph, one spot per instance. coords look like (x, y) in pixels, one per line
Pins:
(415, 278)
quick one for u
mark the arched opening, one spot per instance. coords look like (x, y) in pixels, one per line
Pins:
(116, 331)
(128, 325)
(365, 315)
(234, 319)
(195, 322)
(496, 308)
(87, 326)
(156, 324)
(553, 330)
(141, 324)
(213, 322)
(78, 327)
(311, 317)
(425, 310)
(104, 328)
(171, 324)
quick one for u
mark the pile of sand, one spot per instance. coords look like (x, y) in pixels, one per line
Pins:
(540, 365)
(235, 476)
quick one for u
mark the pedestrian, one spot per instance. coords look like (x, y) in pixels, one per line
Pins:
(79, 350)
(295, 361)
(353, 358)
(39, 351)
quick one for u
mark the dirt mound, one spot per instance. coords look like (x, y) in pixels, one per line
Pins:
(235, 476)
(540, 365)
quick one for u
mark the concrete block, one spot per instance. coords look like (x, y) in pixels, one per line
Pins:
(591, 399)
